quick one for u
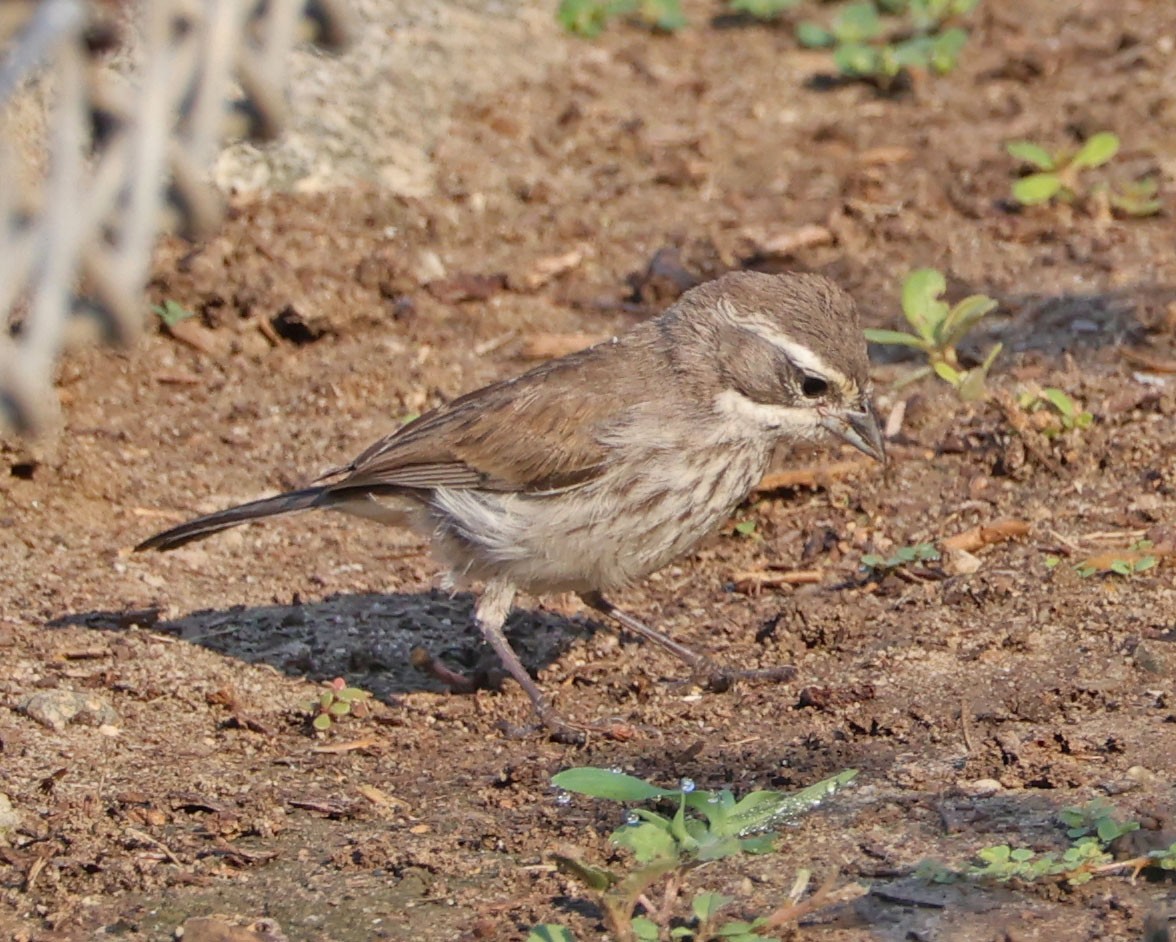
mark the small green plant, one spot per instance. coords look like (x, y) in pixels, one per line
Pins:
(703, 826)
(1057, 177)
(588, 18)
(171, 312)
(745, 528)
(927, 15)
(1136, 198)
(337, 701)
(1091, 828)
(937, 329)
(1122, 562)
(864, 48)
(904, 556)
(761, 9)
(1057, 411)
(550, 932)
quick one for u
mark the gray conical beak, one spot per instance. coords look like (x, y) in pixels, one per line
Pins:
(861, 430)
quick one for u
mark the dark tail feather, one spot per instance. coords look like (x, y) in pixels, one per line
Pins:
(201, 527)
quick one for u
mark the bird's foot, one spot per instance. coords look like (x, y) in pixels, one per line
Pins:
(428, 663)
(718, 679)
(550, 723)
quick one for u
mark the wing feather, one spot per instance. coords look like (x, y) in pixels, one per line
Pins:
(540, 432)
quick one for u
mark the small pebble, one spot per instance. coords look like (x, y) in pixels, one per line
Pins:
(57, 709)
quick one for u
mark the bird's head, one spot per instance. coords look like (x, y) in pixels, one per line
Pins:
(789, 356)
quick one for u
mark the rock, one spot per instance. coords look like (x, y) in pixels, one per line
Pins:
(1155, 657)
(982, 787)
(58, 708)
(220, 929)
(9, 818)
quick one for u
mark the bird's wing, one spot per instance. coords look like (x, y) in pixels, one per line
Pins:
(539, 432)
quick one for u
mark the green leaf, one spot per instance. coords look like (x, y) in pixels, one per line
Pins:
(813, 35)
(1060, 401)
(946, 49)
(665, 15)
(679, 830)
(593, 877)
(948, 373)
(745, 527)
(716, 847)
(605, 783)
(920, 301)
(1037, 188)
(1109, 829)
(762, 810)
(1097, 150)
(1143, 565)
(761, 9)
(322, 722)
(963, 318)
(857, 23)
(894, 338)
(707, 905)
(172, 312)
(584, 17)
(1030, 153)
(647, 841)
(644, 929)
(763, 844)
(913, 53)
(857, 60)
(550, 932)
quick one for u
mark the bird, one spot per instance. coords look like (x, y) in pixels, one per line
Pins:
(593, 470)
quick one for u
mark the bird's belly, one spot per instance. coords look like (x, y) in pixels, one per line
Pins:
(600, 536)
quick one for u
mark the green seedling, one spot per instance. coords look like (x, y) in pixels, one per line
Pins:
(938, 328)
(861, 48)
(1136, 198)
(172, 312)
(761, 9)
(702, 826)
(1122, 562)
(745, 528)
(928, 15)
(550, 932)
(1057, 176)
(1090, 828)
(338, 701)
(919, 553)
(588, 18)
(1054, 411)
(856, 24)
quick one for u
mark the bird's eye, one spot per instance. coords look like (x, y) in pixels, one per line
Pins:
(814, 386)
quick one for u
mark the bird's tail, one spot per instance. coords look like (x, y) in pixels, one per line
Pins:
(209, 524)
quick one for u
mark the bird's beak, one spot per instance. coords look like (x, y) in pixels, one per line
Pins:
(860, 429)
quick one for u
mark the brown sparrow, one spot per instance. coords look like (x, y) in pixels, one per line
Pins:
(593, 470)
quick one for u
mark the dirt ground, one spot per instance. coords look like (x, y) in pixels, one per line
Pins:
(563, 202)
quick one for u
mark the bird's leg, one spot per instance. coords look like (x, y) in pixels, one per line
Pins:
(715, 677)
(490, 616)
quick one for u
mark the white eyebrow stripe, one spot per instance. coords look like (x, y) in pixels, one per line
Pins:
(799, 354)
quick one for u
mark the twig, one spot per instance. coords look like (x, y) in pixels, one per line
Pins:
(144, 838)
(986, 534)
